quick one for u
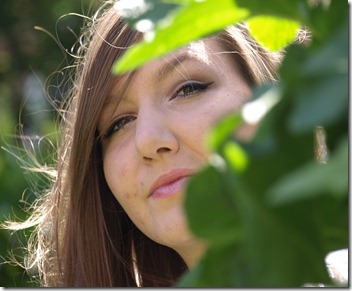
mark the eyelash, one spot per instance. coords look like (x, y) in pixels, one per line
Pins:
(119, 124)
(194, 87)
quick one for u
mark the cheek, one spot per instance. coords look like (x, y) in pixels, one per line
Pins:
(222, 105)
(120, 174)
(117, 171)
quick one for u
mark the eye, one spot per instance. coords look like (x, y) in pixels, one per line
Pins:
(119, 125)
(190, 88)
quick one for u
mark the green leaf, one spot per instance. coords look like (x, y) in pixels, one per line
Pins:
(222, 130)
(280, 249)
(322, 97)
(181, 2)
(314, 179)
(236, 156)
(209, 208)
(255, 241)
(290, 9)
(275, 249)
(326, 16)
(320, 103)
(210, 272)
(272, 32)
(264, 98)
(196, 20)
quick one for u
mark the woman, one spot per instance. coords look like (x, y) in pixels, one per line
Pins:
(114, 216)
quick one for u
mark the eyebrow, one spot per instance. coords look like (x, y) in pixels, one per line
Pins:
(167, 68)
(171, 65)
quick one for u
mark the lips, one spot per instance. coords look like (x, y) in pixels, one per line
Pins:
(170, 183)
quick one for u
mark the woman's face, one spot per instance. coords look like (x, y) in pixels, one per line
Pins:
(155, 136)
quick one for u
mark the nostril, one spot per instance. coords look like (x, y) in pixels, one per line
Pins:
(147, 159)
(163, 150)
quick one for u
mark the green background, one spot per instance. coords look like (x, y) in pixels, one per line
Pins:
(30, 64)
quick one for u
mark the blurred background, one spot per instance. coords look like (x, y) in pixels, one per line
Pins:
(36, 37)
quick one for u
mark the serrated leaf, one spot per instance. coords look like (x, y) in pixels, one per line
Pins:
(274, 33)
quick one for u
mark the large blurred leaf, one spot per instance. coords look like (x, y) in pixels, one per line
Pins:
(325, 17)
(236, 156)
(170, 24)
(212, 197)
(222, 130)
(283, 244)
(275, 248)
(314, 179)
(272, 32)
(198, 19)
(210, 273)
(290, 9)
(319, 83)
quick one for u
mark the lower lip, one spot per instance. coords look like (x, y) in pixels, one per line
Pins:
(170, 189)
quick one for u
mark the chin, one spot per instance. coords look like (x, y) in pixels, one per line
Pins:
(179, 235)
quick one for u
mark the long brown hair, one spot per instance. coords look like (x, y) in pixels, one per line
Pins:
(83, 237)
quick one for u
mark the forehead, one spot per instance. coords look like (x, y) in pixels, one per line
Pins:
(202, 50)
(199, 52)
(205, 51)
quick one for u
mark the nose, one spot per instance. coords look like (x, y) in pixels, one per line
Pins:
(154, 135)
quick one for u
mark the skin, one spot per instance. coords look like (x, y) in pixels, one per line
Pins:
(165, 123)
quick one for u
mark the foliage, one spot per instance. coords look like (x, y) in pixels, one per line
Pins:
(270, 210)
(27, 54)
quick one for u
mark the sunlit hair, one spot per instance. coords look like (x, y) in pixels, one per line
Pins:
(82, 235)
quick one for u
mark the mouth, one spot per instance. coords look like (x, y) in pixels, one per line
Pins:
(170, 183)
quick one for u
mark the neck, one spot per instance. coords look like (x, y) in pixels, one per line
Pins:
(192, 254)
